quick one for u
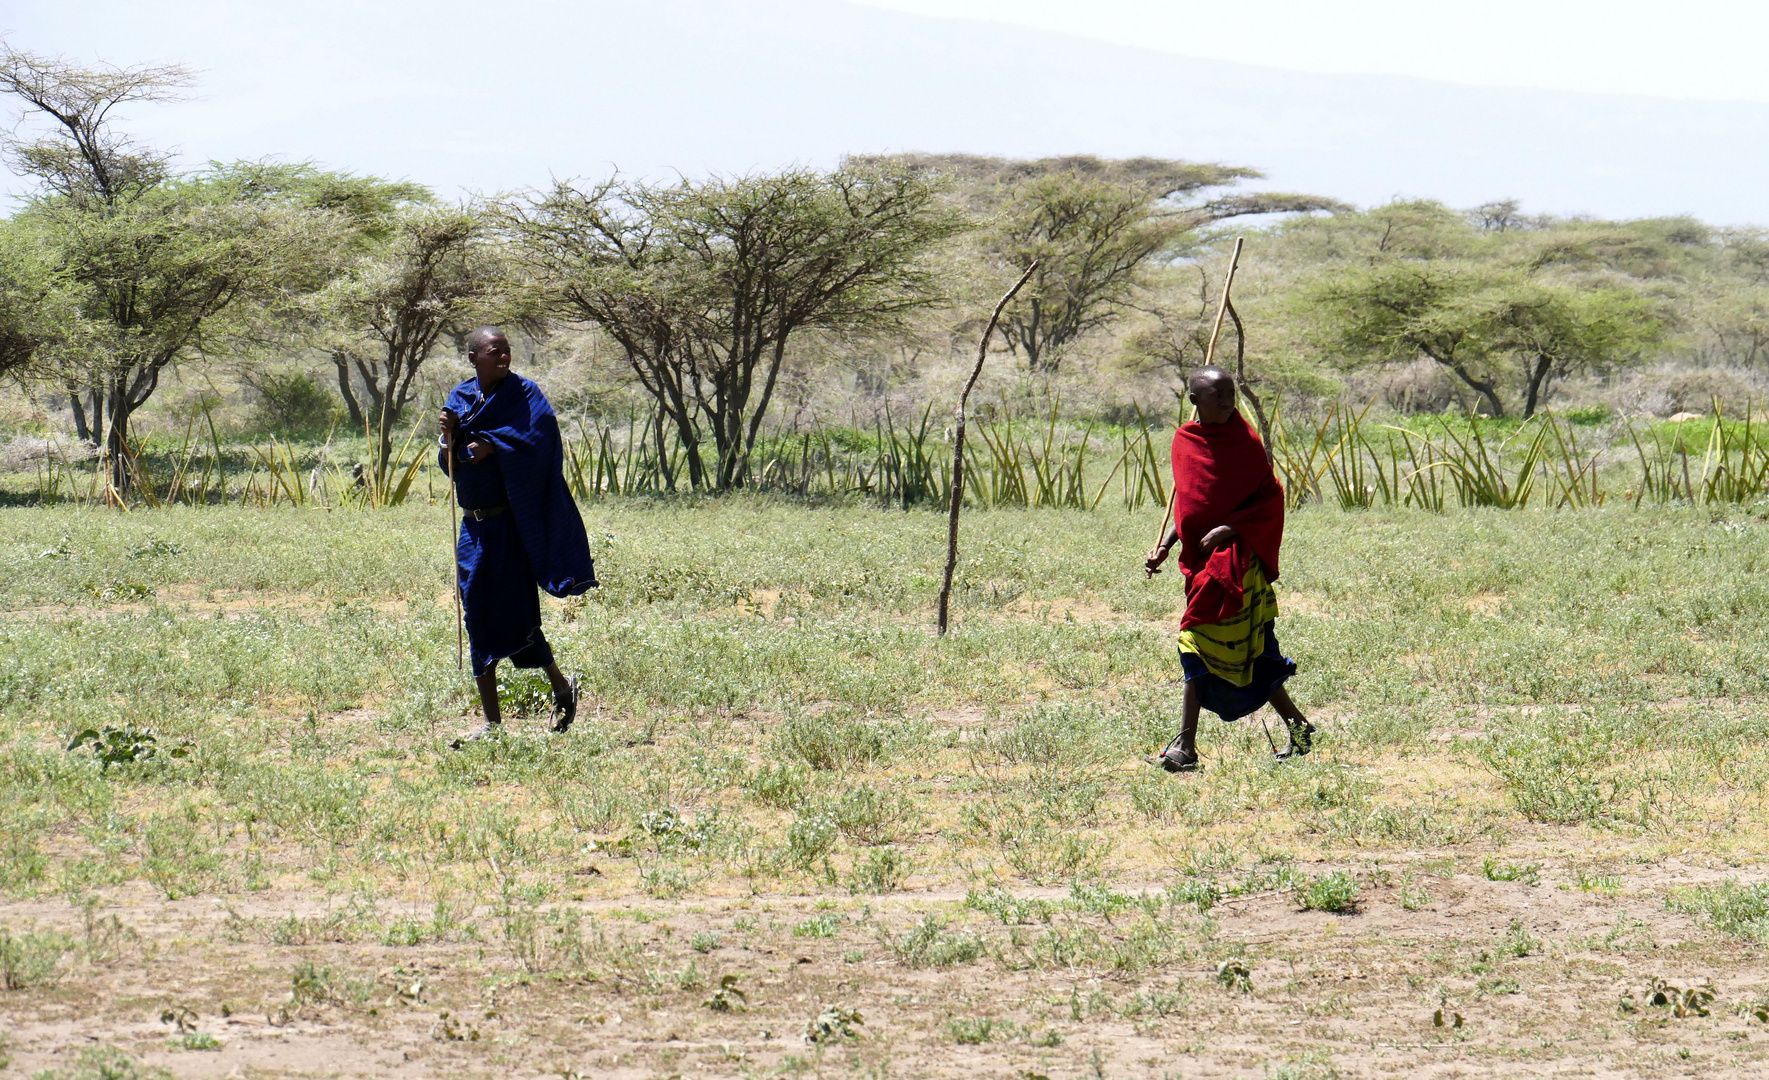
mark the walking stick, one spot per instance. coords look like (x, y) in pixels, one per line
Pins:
(454, 540)
(1222, 308)
(957, 502)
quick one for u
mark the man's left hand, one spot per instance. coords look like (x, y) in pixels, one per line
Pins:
(1215, 538)
(475, 452)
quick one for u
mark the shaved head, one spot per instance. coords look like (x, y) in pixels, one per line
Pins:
(477, 339)
(1206, 379)
(1212, 391)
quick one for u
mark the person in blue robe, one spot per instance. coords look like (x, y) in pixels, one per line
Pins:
(520, 528)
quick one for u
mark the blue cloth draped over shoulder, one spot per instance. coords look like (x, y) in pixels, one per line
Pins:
(517, 419)
(538, 540)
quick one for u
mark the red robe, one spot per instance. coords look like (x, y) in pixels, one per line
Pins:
(1221, 477)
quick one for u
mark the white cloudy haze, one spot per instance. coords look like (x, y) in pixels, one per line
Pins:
(1617, 108)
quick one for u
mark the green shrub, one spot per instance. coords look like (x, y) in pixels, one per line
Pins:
(105, 1063)
(868, 816)
(1522, 873)
(31, 959)
(781, 785)
(1335, 892)
(1557, 772)
(930, 944)
(1731, 908)
(291, 404)
(830, 740)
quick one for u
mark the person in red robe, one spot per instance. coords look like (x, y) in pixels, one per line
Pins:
(1228, 523)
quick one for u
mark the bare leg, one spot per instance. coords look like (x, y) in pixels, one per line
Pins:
(564, 700)
(1188, 722)
(561, 685)
(488, 701)
(1280, 700)
(1181, 754)
(488, 695)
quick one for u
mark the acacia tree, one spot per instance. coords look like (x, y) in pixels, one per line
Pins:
(1095, 227)
(36, 313)
(1555, 330)
(704, 284)
(1487, 325)
(149, 260)
(420, 272)
(1401, 310)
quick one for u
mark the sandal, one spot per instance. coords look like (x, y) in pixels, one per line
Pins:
(1301, 738)
(564, 710)
(1174, 761)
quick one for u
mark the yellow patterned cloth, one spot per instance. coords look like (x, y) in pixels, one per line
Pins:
(1229, 648)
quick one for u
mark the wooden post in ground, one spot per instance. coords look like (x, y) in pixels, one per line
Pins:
(957, 502)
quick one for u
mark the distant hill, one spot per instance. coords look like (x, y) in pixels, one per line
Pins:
(490, 97)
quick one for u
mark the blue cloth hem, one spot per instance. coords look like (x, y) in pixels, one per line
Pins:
(1271, 669)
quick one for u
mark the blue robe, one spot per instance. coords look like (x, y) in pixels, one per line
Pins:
(538, 540)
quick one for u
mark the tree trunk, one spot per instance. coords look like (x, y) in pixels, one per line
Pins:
(663, 461)
(343, 365)
(116, 444)
(384, 439)
(1538, 379)
(1484, 389)
(80, 427)
(761, 409)
(1029, 339)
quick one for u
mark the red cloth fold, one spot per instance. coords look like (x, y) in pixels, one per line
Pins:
(1221, 477)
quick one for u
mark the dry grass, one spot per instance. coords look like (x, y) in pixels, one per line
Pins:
(1539, 768)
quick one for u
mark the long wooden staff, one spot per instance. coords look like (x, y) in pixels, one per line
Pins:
(454, 548)
(1222, 308)
(958, 448)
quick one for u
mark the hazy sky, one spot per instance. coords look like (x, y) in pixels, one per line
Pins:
(1709, 49)
(1362, 100)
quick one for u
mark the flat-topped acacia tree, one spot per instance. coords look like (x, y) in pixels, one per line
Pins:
(1095, 227)
(149, 262)
(704, 283)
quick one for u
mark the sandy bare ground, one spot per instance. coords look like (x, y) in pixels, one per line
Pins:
(1354, 994)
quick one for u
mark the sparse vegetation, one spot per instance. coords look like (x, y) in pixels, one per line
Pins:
(1532, 639)
(753, 783)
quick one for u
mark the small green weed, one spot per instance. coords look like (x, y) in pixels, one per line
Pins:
(1335, 892)
(822, 926)
(1235, 975)
(833, 1025)
(1731, 908)
(199, 1040)
(32, 959)
(727, 998)
(930, 944)
(1197, 892)
(1522, 873)
(704, 942)
(105, 1063)
(976, 1031)
(1518, 941)
(1682, 1002)
(120, 745)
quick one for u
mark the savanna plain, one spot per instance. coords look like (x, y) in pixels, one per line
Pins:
(795, 833)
